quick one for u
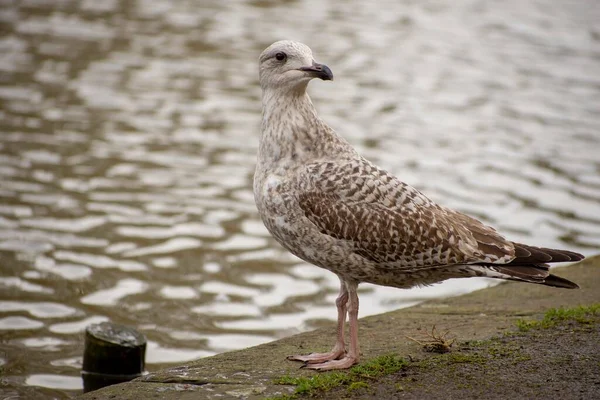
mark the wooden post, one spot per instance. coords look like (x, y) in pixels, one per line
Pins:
(113, 354)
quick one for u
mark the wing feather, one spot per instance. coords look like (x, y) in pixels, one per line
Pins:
(393, 224)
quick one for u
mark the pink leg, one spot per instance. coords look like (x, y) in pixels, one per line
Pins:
(340, 347)
(351, 357)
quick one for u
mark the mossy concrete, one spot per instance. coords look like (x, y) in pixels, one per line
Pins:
(556, 359)
(250, 373)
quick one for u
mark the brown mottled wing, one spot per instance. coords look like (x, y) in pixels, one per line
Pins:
(399, 230)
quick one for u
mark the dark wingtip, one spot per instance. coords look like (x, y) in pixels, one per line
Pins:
(557, 281)
(525, 254)
(576, 256)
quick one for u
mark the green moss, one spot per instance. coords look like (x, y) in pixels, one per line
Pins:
(358, 385)
(581, 314)
(358, 377)
(520, 358)
(463, 358)
(382, 365)
(502, 347)
(320, 382)
(282, 397)
(286, 380)
(486, 350)
(353, 379)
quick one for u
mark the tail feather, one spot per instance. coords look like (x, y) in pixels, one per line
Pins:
(534, 274)
(529, 265)
(557, 281)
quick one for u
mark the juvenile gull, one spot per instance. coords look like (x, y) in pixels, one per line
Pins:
(329, 206)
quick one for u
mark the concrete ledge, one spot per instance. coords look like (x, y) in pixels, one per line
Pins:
(249, 373)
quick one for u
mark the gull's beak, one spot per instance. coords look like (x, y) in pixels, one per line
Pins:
(318, 71)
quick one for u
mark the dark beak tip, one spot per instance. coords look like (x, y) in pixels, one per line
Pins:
(325, 73)
(320, 71)
(328, 75)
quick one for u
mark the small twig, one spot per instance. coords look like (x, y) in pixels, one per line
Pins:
(415, 340)
(436, 343)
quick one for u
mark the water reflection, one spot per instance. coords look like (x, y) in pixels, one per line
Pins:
(45, 343)
(54, 381)
(156, 354)
(19, 323)
(39, 310)
(128, 135)
(66, 328)
(112, 296)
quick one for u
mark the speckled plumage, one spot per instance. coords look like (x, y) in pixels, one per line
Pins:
(331, 207)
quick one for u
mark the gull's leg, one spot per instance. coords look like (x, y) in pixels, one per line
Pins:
(340, 348)
(351, 357)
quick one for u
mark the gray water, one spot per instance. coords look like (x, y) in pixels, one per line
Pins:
(128, 141)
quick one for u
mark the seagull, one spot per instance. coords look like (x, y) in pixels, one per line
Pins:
(331, 207)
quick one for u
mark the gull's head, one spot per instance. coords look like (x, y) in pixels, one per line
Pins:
(289, 66)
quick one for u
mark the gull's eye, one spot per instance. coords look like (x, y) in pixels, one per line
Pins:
(280, 56)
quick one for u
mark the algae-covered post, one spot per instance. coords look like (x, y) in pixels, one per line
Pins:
(113, 354)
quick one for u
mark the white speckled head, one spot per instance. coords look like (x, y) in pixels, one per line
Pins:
(289, 65)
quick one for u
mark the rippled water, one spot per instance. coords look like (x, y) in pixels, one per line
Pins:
(128, 140)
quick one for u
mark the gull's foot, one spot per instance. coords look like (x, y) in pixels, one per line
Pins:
(342, 363)
(318, 358)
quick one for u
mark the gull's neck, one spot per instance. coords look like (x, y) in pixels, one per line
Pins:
(292, 132)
